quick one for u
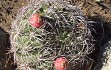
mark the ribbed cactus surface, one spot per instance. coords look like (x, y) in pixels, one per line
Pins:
(64, 33)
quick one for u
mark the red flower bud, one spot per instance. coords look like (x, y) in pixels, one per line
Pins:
(36, 21)
(61, 63)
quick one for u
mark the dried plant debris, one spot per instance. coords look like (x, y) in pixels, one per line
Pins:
(8, 11)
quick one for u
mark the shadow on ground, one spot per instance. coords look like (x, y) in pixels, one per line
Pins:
(102, 36)
(6, 61)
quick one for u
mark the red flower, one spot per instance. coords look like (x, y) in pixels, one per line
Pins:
(61, 63)
(36, 21)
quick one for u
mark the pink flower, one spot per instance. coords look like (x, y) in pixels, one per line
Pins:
(36, 21)
(61, 63)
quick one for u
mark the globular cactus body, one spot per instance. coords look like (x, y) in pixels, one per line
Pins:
(64, 32)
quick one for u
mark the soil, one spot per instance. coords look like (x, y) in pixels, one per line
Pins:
(8, 11)
(95, 10)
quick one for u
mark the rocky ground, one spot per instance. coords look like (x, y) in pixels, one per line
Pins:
(92, 9)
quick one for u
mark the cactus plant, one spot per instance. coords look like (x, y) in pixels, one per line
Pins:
(64, 32)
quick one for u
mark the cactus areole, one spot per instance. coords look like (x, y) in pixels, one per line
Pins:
(36, 21)
(61, 63)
